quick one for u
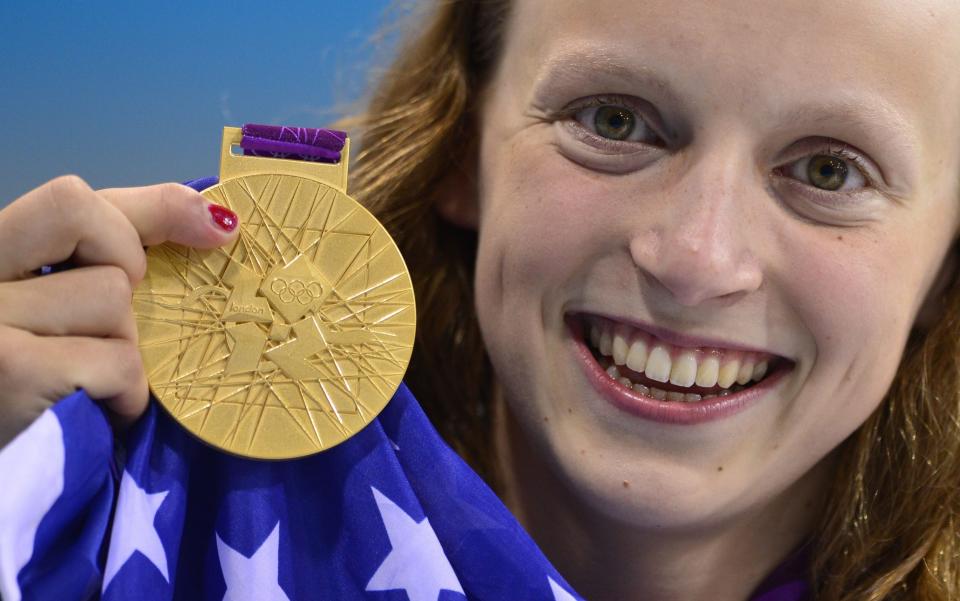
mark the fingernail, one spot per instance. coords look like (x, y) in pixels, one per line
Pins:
(223, 217)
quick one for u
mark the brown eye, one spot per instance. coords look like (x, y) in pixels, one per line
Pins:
(614, 122)
(827, 172)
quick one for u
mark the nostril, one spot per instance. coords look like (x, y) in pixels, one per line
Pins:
(693, 269)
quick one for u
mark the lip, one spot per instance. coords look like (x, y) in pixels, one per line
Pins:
(675, 338)
(668, 412)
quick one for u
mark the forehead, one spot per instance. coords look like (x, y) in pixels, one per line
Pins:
(895, 59)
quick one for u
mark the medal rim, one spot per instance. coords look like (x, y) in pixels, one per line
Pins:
(208, 194)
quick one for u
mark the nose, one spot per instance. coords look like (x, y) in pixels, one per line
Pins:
(699, 244)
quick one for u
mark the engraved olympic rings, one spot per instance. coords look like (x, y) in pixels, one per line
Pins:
(289, 291)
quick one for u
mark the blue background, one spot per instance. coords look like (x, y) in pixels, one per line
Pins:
(130, 93)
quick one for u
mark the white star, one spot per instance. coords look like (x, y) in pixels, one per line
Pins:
(558, 593)
(416, 563)
(31, 476)
(254, 578)
(133, 529)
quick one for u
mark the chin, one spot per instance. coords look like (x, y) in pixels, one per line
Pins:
(642, 488)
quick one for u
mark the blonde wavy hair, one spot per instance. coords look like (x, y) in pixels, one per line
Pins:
(892, 525)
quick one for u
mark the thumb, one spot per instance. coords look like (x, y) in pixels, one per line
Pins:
(174, 213)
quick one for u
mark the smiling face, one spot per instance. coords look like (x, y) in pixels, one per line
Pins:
(731, 184)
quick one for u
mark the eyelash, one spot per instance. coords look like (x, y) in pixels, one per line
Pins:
(841, 152)
(825, 148)
(571, 113)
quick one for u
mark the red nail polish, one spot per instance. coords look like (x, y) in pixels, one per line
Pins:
(223, 217)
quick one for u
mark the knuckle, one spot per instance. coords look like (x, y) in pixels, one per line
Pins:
(68, 194)
(171, 192)
(115, 286)
(129, 364)
(13, 358)
(127, 326)
(69, 184)
(172, 201)
(138, 267)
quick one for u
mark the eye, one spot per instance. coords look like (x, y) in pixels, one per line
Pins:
(835, 171)
(615, 122)
(830, 182)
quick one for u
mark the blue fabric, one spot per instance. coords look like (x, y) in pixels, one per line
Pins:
(65, 562)
(334, 535)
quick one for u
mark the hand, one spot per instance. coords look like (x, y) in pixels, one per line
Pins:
(75, 328)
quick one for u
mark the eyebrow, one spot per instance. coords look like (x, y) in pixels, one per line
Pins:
(873, 118)
(565, 71)
(870, 117)
(855, 112)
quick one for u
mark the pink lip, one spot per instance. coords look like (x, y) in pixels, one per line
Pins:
(668, 412)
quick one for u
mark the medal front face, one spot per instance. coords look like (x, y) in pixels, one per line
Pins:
(288, 341)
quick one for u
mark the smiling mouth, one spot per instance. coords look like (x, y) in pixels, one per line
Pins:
(650, 367)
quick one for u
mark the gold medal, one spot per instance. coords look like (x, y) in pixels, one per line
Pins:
(293, 338)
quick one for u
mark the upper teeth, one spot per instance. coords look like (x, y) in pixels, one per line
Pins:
(661, 362)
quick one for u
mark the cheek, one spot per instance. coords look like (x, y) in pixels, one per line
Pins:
(857, 298)
(843, 296)
(544, 222)
(542, 225)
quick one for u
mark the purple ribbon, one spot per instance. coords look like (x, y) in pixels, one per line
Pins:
(788, 581)
(298, 143)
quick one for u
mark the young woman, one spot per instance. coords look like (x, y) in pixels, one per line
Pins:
(710, 246)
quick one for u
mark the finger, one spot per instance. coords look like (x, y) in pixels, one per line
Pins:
(109, 370)
(61, 219)
(88, 301)
(65, 219)
(171, 212)
(116, 377)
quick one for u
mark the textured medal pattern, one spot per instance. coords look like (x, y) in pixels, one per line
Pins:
(292, 339)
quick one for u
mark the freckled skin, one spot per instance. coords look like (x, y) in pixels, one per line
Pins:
(701, 240)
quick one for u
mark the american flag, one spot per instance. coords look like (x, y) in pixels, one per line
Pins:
(392, 514)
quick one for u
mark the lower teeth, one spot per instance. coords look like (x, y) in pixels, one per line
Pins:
(663, 395)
